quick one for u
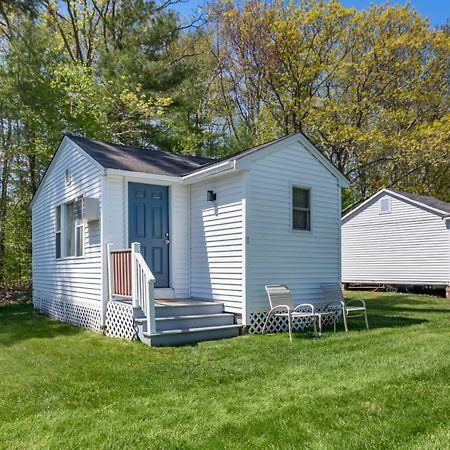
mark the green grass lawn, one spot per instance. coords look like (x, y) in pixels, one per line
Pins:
(63, 387)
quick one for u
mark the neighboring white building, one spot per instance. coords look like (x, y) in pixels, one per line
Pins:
(215, 230)
(397, 238)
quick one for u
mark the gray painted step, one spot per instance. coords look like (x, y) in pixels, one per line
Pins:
(185, 322)
(193, 321)
(190, 335)
(188, 308)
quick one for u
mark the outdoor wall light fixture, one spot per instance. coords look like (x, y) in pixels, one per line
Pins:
(211, 196)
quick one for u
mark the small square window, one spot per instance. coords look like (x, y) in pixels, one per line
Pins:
(301, 212)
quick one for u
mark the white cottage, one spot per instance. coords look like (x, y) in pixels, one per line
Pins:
(397, 238)
(177, 248)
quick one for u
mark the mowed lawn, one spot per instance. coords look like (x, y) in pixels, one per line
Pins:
(63, 387)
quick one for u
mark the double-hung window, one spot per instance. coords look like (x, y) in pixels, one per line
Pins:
(301, 209)
(69, 235)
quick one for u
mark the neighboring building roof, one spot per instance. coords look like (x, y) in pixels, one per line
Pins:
(147, 160)
(434, 205)
(432, 202)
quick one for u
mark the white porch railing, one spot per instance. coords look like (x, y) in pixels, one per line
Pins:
(130, 276)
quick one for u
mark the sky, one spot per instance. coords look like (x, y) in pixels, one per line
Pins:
(437, 11)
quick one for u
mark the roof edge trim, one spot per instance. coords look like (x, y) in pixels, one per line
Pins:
(439, 212)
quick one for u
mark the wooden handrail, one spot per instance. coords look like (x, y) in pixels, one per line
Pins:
(143, 287)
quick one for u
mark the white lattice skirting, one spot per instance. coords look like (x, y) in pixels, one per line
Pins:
(279, 324)
(119, 321)
(85, 316)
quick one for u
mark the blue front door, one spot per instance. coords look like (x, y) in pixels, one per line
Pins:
(148, 224)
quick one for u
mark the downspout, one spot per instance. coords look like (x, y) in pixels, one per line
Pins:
(189, 241)
(103, 267)
(245, 242)
(339, 204)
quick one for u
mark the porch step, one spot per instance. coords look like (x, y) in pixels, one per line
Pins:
(191, 335)
(194, 321)
(164, 293)
(187, 308)
(186, 321)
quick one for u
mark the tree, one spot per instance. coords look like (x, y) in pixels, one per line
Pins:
(370, 88)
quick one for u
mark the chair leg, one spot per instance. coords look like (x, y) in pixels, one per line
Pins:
(266, 322)
(365, 319)
(319, 319)
(344, 317)
(290, 326)
(315, 326)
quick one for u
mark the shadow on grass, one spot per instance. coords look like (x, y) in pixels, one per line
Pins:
(377, 321)
(21, 322)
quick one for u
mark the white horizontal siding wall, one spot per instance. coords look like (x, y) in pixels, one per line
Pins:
(275, 253)
(73, 280)
(114, 211)
(179, 240)
(216, 242)
(116, 225)
(408, 246)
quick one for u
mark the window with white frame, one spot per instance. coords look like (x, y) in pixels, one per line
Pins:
(69, 233)
(301, 208)
(58, 220)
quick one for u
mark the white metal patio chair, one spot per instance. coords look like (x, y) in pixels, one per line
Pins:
(332, 293)
(281, 305)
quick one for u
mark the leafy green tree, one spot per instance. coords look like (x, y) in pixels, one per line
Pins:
(369, 87)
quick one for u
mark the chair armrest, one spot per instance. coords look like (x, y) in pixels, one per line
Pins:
(303, 305)
(275, 308)
(357, 300)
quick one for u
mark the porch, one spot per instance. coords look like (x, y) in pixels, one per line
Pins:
(133, 312)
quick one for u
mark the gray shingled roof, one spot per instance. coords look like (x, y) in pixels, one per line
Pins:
(428, 201)
(152, 160)
(147, 160)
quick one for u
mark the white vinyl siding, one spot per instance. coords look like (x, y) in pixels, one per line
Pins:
(115, 212)
(68, 279)
(277, 254)
(216, 242)
(179, 239)
(408, 246)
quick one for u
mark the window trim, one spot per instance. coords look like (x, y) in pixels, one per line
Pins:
(79, 224)
(58, 233)
(76, 225)
(305, 188)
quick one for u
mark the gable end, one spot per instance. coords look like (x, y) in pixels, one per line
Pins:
(65, 142)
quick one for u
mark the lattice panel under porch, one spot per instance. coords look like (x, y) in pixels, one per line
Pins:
(84, 316)
(280, 324)
(119, 321)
